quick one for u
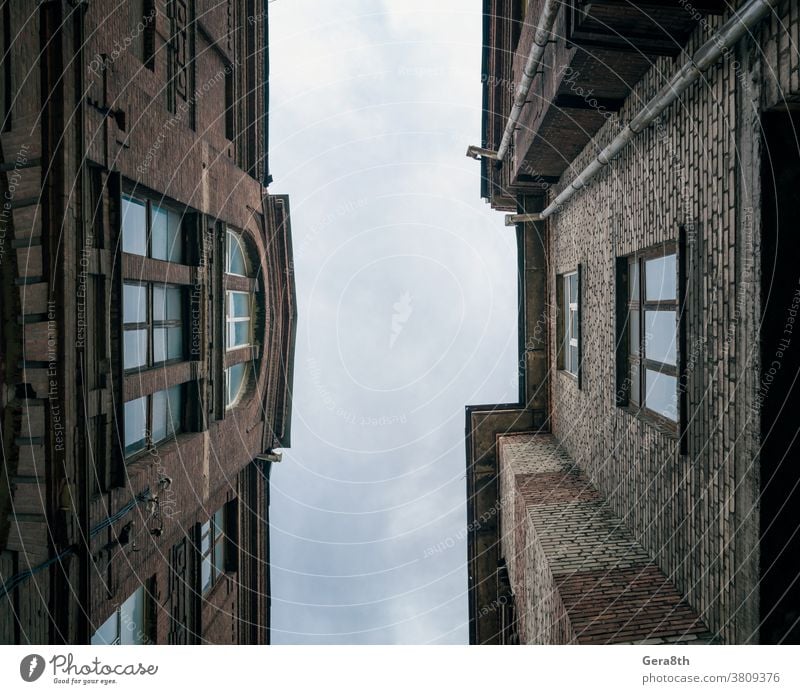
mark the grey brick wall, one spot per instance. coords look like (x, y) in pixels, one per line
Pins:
(693, 513)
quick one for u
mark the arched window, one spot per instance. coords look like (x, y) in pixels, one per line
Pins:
(236, 258)
(239, 317)
(235, 379)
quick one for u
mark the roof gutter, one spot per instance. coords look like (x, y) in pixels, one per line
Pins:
(532, 65)
(705, 57)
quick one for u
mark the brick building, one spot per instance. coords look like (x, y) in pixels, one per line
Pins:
(645, 484)
(148, 320)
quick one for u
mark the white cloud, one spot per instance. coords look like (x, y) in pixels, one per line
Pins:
(372, 107)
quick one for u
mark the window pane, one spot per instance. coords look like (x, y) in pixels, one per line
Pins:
(167, 344)
(241, 333)
(238, 334)
(633, 331)
(159, 429)
(106, 635)
(158, 240)
(573, 288)
(572, 364)
(661, 394)
(174, 240)
(205, 542)
(633, 280)
(134, 227)
(238, 305)
(159, 345)
(661, 278)
(206, 573)
(219, 522)
(573, 323)
(132, 619)
(174, 343)
(234, 377)
(134, 303)
(135, 425)
(236, 261)
(135, 348)
(175, 402)
(167, 412)
(660, 329)
(173, 306)
(159, 301)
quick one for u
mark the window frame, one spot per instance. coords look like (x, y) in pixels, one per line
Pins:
(149, 441)
(564, 311)
(217, 552)
(229, 405)
(149, 204)
(640, 305)
(241, 245)
(231, 319)
(151, 324)
(145, 629)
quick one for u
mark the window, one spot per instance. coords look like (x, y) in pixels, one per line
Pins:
(234, 383)
(238, 319)
(213, 549)
(128, 625)
(152, 419)
(649, 333)
(151, 230)
(568, 328)
(143, 21)
(152, 316)
(571, 300)
(236, 263)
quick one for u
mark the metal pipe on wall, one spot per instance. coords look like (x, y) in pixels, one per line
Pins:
(705, 56)
(540, 40)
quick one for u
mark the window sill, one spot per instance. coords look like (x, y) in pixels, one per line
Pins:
(571, 376)
(663, 426)
(222, 579)
(167, 446)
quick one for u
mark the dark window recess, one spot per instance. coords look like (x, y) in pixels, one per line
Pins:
(7, 88)
(230, 103)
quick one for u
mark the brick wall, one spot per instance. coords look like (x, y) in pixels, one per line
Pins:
(131, 132)
(576, 573)
(693, 512)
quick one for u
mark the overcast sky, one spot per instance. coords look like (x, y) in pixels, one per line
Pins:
(406, 286)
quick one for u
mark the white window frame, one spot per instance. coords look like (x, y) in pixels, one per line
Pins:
(229, 318)
(231, 234)
(571, 307)
(215, 530)
(230, 404)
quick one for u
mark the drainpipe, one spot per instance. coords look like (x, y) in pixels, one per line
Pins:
(705, 56)
(540, 41)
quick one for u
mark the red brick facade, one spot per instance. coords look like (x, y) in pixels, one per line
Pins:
(173, 112)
